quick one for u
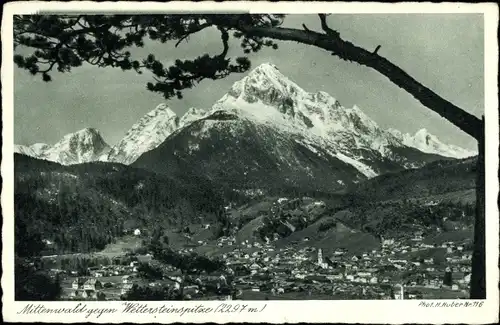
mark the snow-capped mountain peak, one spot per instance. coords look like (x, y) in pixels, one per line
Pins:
(39, 148)
(83, 146)
(191, 115)
(423, 136)
(85, 135)
(429, 143)
(149, 132)
(35, 150)
(161, 110)
(266, 94)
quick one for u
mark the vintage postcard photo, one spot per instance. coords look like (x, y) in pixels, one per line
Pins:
(256, 162)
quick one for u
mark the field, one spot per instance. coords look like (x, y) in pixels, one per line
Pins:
(121, 245)
(456, 236)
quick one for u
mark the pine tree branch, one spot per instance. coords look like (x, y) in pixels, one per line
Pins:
(325, 27)
(193, 31)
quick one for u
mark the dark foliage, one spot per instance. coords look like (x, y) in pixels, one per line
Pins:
(143, 293)
(63, 42)
(393, 219)
(34, 285)
(434, 178)
(186, 263)
(82, 208)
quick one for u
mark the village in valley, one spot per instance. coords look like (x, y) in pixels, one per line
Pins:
(404, 268)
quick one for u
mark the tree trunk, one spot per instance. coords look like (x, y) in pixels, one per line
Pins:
(478, 276)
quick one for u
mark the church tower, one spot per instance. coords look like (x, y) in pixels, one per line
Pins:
(399, 295)
(320, 257)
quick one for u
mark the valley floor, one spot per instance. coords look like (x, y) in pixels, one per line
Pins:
(264, 272)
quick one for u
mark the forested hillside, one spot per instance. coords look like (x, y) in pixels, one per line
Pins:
(84, 207)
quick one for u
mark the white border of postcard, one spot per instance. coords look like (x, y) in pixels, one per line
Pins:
(347, 311)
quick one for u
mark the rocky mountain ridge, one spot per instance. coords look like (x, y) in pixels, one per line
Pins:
(266, 97)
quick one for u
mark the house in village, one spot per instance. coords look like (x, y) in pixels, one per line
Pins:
(92, 294)
(336, 276)
(76, 294)
(78, 283)
(99, 274)
(465, 279)
(364, 274)
(300, 276)
(126, 288)
(126, 279)
(387, 242)
(92, 284)
(338, 253)
(88, 295)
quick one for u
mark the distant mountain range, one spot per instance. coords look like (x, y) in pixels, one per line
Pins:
(75, 148)
(266, 129)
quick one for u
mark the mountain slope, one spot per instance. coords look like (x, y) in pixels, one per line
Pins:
(437, 199)
(82, 146)
(146, 134)
(35, 150)
(268, 94)
(149, 132)
(426, 142)
(240, 154)
(267, 132)
(85, 206)
(192, 115)
(433, 179)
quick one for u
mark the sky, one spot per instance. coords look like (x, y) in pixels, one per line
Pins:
(445, 52)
